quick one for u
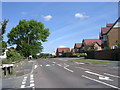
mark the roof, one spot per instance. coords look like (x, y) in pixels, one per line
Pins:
(63, 49)
(78, 45)
(117, 21)
(109, 24)
(92, 41)
(104, 30)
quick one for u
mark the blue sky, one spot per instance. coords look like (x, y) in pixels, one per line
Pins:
(68, 22)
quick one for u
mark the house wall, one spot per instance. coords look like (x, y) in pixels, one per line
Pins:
(99, 47)
(113, 37)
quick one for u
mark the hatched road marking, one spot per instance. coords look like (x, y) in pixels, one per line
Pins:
(102, 77)
(100, 82)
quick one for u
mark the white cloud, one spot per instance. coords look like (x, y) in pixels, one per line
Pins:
(62, 46)
(47, 18)
(80, 15)
(24, 13)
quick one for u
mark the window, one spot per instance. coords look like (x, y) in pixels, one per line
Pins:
(104, 38)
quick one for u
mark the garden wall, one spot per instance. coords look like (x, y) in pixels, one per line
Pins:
(113, 54)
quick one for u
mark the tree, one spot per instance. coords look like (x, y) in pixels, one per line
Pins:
(2, 31)
(28, 35)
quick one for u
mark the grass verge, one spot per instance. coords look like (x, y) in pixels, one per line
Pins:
(91, 61)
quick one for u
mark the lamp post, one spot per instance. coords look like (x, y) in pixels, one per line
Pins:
(28, 42)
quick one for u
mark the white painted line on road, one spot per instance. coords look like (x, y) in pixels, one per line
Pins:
(68, 69)
(54, 62)
(31, 81)
(111, 75)
(41, 65)
(22, 86)
(47, 65)
(31, 75)
(59, 64)
(25, 77)
(82, 68)
(24, 82)
(32, 85)
(35, 67)
(79, 63)
(100, 82)
(102, 77)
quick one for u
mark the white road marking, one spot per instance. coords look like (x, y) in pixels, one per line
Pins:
(41, 65)
(31, 81)
(79, 63)
(31, 75)
(82, 68)
(22, 86)
(25, 77)
(54, 62)
(111, 75)
(102, 77)
(100, 82)
(59, 64)
(24, 82)
(35, 67)
(32, 85)
(47, 65)
(68, 69)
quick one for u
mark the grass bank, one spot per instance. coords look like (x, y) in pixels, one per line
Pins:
(91, 61)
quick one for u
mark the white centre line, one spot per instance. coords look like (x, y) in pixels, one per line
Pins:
(100, 82)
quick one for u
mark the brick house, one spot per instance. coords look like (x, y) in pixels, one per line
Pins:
(112, 37)
(102, 34)
(72, 50)
(61, 51)
(90, 44)
(77, 47)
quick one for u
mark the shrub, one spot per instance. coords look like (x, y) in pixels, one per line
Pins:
(12, 56)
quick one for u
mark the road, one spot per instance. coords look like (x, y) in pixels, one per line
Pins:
(64, 73)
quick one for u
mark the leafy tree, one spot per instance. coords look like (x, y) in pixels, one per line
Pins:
(28, 35)
(3, 28)
(3, 44)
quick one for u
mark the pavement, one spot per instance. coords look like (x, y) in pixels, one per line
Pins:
(64, 73)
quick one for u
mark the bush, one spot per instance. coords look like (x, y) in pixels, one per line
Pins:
(12, 56)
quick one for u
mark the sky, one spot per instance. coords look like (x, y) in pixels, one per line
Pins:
(69, 22)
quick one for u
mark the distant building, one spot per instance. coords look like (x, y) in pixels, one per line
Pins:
(77, 47)
(88, 44)
(61, 51)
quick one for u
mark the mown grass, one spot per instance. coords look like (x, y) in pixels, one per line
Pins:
(91, 61)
